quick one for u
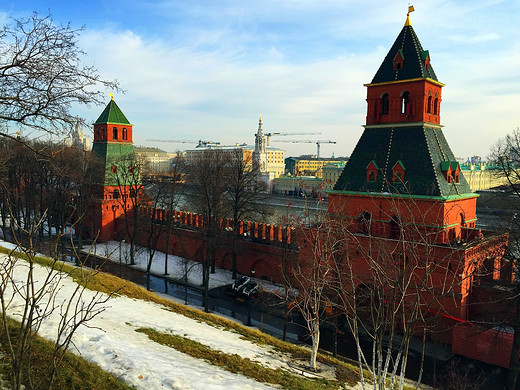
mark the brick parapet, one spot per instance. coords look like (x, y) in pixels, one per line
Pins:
(261, 231)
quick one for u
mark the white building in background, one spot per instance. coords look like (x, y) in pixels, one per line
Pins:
(159, 161)
(78, 139)
(270, 160)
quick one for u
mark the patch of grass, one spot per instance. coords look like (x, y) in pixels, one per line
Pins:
(75, 373)
(238, 365)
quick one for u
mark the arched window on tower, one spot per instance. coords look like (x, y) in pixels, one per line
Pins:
(462, 220)
(124, 134)
(115, 194)
(405, 102)
(429, 104)
(436, 105)
(114, 133)
(384, 104)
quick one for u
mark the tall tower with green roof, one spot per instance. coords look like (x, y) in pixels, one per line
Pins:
(116, 190)
(402, 170)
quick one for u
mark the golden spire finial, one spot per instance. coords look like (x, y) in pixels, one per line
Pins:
(410, 9)
(111, 95)
(260, 118)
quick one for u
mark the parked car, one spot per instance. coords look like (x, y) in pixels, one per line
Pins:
(239, 284)
(250, 289)
(243, 287)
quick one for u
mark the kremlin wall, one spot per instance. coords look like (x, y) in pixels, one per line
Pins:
(401, 201)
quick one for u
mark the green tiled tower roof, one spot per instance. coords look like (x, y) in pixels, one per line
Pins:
(414, 65)
(422, 149)
(112, 114)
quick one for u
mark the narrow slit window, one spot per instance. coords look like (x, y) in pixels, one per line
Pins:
(405, 102)
(384, 104)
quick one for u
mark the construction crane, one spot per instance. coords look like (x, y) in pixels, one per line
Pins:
(199, 143)
(269, 135)
(307, 141)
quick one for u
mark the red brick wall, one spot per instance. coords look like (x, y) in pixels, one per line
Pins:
(486, 345)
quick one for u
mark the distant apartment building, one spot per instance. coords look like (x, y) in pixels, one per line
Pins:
(157, 159)
(78, 139)
(309, 165)
(482, 176)
(331, 173)
(269, 160)
(299, 186)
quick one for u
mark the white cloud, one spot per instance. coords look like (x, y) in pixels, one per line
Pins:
(207, 69)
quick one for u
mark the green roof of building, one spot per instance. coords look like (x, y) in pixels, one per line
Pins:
(112, 114)
(420, 148)
(414, 56)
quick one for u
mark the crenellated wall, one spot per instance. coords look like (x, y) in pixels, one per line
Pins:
(267, 232)
(260, 249)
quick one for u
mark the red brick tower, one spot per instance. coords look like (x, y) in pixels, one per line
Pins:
(402, 169)
(402, 190)
(115, 191)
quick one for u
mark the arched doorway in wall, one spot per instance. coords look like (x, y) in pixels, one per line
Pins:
(227, 261)
(364, 223)
(395, 227)
(261, 269)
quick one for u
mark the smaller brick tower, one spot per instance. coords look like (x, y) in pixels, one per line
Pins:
(115, 191)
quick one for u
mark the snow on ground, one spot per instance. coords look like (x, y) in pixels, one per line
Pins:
(112, 342)
(120, 251)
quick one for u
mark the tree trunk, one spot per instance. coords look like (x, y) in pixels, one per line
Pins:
(512, 374)
(315, 337)
(132, 252)
(166, 252)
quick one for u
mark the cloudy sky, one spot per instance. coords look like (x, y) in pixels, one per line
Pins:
(206, 70)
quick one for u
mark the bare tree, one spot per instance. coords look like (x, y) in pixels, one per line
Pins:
(173, 193)
(126, 174)
(309, 277)
(42, 75)
(30, 299)
(205, 176)
(392, 289)
(505, 155)
(164, 194)
(246, 191)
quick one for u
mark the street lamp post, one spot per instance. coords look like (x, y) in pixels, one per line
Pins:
(121, 243)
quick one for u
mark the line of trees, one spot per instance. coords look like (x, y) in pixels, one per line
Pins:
(224, 184)
(44, 184)
(386, 292)
(44, 187)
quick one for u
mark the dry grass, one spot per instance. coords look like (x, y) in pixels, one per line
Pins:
(236, 364)
(73, 373)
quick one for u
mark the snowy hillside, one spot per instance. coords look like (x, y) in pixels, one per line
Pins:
(111, 341)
